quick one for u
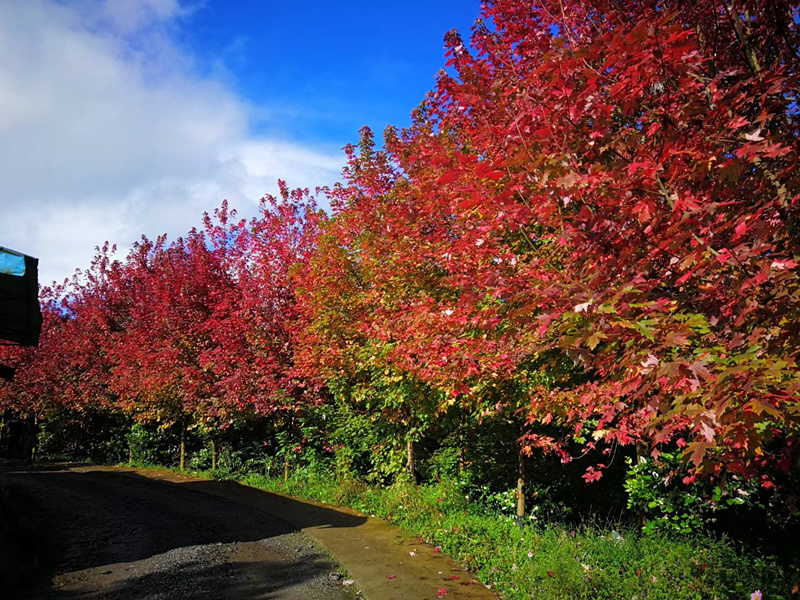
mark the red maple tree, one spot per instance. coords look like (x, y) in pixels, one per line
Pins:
(608, 183)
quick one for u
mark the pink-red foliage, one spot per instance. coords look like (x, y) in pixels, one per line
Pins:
(614, 183)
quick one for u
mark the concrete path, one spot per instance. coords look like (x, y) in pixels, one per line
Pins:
(385, 562)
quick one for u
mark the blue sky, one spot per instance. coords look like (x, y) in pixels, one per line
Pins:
(325, 69)
(127, 117)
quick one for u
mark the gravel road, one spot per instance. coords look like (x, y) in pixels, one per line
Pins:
(132, 538)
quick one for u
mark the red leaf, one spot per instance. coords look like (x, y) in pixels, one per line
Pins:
(592, 474)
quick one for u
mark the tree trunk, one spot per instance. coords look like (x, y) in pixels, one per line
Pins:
(130, 455)
(411, 462)
(92, 434)
(520, 488)
(183, 447)
(213, 454)
(35, 438)
(641, 452)
(461, 443)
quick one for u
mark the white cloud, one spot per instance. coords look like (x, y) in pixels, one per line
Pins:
(106, 132)
(129, 16)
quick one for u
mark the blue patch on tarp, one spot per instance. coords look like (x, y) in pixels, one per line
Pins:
(12, 263)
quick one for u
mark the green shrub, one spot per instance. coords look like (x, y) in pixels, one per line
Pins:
(150, 445)
(670, 501)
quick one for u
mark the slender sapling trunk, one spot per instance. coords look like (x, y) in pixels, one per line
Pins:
(183, 447)
(411, 462)
(520, 488)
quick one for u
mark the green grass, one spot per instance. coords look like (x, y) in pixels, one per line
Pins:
(549, 560)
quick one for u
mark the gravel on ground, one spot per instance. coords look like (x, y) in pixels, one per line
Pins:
(124, 538)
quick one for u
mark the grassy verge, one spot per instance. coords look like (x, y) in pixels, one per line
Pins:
(552, 561)
(27, 552)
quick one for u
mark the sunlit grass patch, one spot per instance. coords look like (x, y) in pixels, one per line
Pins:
(552, 560)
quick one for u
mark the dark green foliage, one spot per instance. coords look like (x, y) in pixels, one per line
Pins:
(95, 433)
(670, 500)
(150, 445)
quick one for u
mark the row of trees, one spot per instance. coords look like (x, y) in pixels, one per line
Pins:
(588, 233)
(189, 333)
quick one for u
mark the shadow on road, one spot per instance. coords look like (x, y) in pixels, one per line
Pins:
(298, 513)
(107, 519)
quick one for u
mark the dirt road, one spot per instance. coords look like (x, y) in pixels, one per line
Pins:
(145, 533)
(131, 538)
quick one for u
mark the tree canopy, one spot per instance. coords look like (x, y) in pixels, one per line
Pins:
(591, 225)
